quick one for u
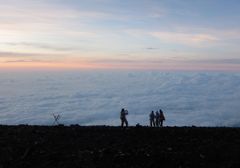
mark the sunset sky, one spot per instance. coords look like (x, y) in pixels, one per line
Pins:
(120, 34)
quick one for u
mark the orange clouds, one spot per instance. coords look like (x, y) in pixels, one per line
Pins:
(44, 65)
(163, 66)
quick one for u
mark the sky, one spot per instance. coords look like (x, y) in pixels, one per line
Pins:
(189, 35)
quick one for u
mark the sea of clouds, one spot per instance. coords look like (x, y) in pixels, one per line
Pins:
(96, 97)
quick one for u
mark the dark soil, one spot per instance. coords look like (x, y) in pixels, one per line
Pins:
(90, 147)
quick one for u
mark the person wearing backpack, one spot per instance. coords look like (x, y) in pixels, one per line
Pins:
(161, 118)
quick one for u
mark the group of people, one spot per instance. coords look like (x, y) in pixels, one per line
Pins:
(156, 119)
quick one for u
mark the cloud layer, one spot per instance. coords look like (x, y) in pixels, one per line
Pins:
(95, 98)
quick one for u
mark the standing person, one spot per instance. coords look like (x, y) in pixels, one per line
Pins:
(123, 118)
(157, 121)
(151, 118)
(161, 118)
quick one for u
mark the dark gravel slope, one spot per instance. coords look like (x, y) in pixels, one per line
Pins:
(89, 147)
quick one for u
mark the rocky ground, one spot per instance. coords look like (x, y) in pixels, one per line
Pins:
(102, 146)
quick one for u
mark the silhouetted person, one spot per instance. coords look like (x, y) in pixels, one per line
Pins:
(157, 119)
(123, 118)
(161, 118)
(151, 118)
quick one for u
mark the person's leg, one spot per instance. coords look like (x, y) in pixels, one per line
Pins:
(126, 123)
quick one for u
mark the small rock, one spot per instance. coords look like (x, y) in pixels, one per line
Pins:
(202, 156)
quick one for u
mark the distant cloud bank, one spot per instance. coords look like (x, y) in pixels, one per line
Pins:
(95, 98)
